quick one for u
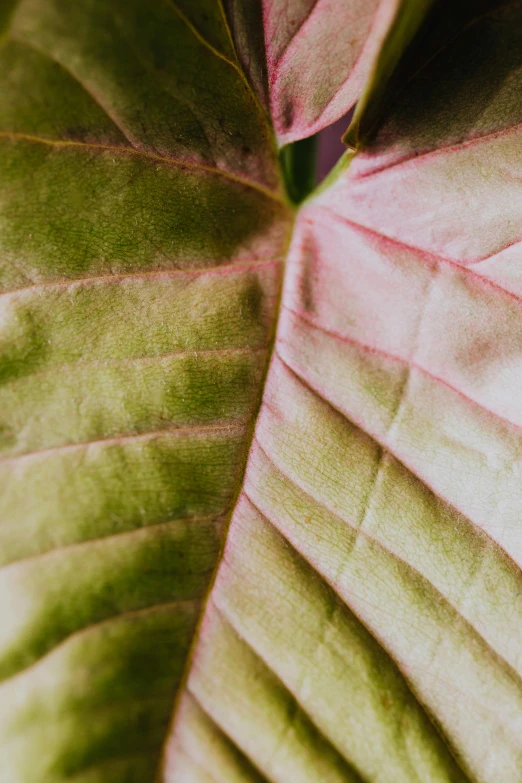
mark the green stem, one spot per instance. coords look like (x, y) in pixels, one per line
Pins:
(298, 161)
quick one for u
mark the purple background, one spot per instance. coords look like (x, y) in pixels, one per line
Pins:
(330, 147)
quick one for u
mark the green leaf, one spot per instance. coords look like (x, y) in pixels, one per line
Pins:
(260, 468)
(142, 230)
(298, 163)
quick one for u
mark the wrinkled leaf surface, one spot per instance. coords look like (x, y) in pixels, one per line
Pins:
(357, 481)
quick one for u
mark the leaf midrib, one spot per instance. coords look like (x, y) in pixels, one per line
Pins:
(505, 664)
(165, 160)
(294, 211)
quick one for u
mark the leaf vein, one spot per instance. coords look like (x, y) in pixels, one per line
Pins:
(427, 254)
(404, 564)
(43, 53)
(340, 337)
(227, 736)
(355, 775)
(130, 533)
(431, 718)
(177, 162)
(232, 428)
(480, 531)
(159, 274)
(157, 607)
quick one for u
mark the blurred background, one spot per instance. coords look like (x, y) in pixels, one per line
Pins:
(330, 147)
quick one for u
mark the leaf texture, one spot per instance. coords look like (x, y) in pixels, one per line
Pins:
(142, 230)
(358, 45)
(364, 622)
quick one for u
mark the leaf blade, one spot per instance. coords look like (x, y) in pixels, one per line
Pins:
(387, 450)
(133, 239)
(360, 44)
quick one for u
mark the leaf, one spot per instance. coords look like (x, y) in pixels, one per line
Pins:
(363, 622)
(321, 54)
(142, 230)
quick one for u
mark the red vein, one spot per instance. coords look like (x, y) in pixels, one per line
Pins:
(322, 396)
(343, 338)
(291, 41)
(432, 153)
(425, 254)
(157, 274)
(427, 711)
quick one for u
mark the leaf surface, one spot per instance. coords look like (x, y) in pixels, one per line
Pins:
(142, 230)
(363, 623)
(323, 54)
